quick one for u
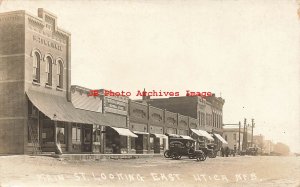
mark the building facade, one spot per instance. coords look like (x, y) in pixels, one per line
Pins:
(234, 136)
(36, 113)
(41, 112)
(208, 111)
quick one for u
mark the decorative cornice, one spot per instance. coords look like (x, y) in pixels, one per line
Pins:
(36, 22)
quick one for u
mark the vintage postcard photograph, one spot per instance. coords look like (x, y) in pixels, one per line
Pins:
(175, 93)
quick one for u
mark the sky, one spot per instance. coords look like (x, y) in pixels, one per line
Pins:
(245, 51)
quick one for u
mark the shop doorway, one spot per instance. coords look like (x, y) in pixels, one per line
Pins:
(87, 138)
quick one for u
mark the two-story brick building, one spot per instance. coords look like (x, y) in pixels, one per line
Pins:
(208, 111)
(35, 76)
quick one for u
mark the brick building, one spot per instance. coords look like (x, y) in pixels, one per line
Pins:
(35, 75)
(114, 135)
(208, 111)
(39, 109)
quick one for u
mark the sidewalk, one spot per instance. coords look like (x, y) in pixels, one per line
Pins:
(101, 156)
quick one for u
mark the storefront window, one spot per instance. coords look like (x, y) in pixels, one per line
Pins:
(87, 136)
(161, 143)
(145, 142)
(76, 134)
(123, 142)
(151, 143)
(96, 133)
(48, 131)
(109, 136)
(133, 143)
(32, 130)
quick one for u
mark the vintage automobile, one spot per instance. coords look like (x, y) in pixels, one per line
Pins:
(209, 150)
(252, 151)
(179, 147)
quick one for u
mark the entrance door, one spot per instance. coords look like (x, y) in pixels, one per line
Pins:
(156, 145)
(139, 144)
(87, 139)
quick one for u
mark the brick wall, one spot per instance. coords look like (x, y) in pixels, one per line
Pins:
(12, 98)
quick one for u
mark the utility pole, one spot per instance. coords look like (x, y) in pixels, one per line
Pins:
(252, 126)
(239, 137)
(244, 147)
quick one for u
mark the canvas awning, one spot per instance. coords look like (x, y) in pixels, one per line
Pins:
(124, 132)
(186, 137)
(140, 132)
(220, 138)
(160, 136)
(202, 133)
(59, 109)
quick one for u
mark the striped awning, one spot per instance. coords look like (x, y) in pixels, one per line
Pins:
(202, 133)
(124, 132)
(221, 138)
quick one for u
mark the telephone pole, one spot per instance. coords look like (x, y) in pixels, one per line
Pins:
(239, 137)
(244, 146)
(252, 126)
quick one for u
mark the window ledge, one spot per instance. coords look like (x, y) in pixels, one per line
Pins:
(59, 89)
(48, 86)
(36, 83)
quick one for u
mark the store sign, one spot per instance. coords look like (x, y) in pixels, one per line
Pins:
(46, 42)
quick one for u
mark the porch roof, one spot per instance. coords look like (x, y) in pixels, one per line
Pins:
(59, 109)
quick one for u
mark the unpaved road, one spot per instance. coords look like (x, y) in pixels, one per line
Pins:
(28, 171)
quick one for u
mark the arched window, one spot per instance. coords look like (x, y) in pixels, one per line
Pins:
(49, 71)
(36, 67)
(60, 73)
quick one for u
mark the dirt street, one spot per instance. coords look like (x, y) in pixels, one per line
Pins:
(28, 171)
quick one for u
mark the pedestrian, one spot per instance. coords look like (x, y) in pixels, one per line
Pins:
(227, 151)
(234, 150)
(222, 151)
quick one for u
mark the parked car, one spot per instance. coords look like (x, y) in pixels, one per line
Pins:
(252, 151)
(210, 153)
(179, 147)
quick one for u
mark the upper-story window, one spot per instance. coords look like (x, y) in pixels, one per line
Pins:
(60, 70)
(36, 67)
(49, 71)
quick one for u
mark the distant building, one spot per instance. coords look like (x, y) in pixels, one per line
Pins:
(208, 111)
(268, 147)
(233, 135)
(258, 141)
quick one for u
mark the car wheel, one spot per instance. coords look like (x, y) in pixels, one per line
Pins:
(175, 155)
(167, 154)
(203, 157)
(178, 156)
